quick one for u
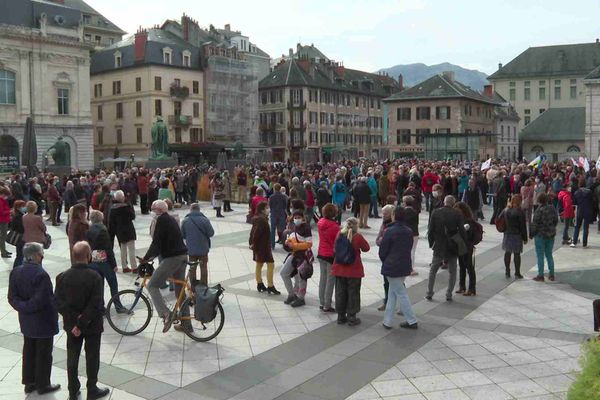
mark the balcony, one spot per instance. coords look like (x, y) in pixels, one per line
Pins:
(301, 106)
(266, 127)
(301, 127)
(179, 92)
(180, 120)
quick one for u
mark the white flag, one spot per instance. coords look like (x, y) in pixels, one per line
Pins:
(486, 165)
(586, 165)
(598, 163)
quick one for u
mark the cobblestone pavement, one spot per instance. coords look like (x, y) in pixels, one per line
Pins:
(514, 340)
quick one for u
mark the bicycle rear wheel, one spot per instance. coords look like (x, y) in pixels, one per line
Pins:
(199, 331)
(134, 315)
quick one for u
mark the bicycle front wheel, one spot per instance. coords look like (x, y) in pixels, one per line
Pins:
(129, 313)
(200, 331)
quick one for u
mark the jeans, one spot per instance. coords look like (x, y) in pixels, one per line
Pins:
(373, 210)
(108, 273)
(326, 284)
(436, 263)
(3, 230)
(92, 360)
(466, 266)
(277, 226)
(128, 249)
(299, 286)
(168, 267)
(37, 361)
(586, 230)
(543, 247)
(347, 296)
(568, 223)
(428, 198)
(397, 293)
(413, 251)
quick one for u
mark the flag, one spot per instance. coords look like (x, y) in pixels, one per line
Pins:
(598, 163)
(586, 165)
(486, 165)
(536, 162)
(574, 162)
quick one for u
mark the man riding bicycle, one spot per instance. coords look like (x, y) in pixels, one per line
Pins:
(167, 243)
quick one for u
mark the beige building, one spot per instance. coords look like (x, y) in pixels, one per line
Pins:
(546, 77)
(441, 118)
(312, 108)
(592, 114)
(44, 74)
(152, 74)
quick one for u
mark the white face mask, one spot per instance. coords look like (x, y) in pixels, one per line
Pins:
(435, 194)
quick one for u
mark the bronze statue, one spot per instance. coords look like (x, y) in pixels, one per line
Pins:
(61, 152)
(160, 140)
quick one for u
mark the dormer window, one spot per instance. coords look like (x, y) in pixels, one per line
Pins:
(118, 59)
(167, 55)
(187, 58)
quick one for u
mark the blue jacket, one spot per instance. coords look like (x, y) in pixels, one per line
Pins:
(30, 293)
(338, 193)
(197, 231)
(372, 183)
(395, 250)
(583, 198)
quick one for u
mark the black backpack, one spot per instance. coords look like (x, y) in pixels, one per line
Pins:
(344, 252)
(477, 234)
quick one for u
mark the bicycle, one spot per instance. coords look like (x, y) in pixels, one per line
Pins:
(137, 310)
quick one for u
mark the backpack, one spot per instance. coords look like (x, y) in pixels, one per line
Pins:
(344, 252)
(477, 233)
(339, 188)
(429, 181)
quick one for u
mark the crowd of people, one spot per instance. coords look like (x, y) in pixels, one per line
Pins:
(284, 202)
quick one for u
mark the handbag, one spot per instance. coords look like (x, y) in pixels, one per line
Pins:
(456, 243)
(13, 237)
(48, 241)
(501, 222)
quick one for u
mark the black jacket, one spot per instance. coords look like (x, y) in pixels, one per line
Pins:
(515, 223)
(167, 240)
(412, 220)
(120, 222)
(395, 250)
(99, 239)
(445, 222)
(362, 193)
(80, 299)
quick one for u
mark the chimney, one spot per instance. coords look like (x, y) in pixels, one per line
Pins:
(449, 75)
(141, 37)
(597, 41)
(291, 52)
(228, 27)
(500, 64)
(401, 81)
(488, 91)
(298, 47)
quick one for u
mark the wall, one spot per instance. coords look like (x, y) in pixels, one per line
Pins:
(592, 119)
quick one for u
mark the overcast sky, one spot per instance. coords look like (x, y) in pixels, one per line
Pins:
(373, 34)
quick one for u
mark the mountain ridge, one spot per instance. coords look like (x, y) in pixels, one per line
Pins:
(415, 73)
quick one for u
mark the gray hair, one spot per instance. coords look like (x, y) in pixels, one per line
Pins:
(119, 196)
(32, 249)
(388, 210)
(69, 185)
(96, 217)
(350, 227)
(159, 207)
(195, 207)
(449, 201)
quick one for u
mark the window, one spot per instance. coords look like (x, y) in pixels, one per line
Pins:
(98, 39)
(118, 60)
(87, 19)
(119, 110)
(557, 93)
(403, 136)
(573, 92)
(63, 101)
(527, 94)
(312, 117)
(196, 110)
(177, 135)
(87, 37)
(573, 149)
(403, 113)
(157, 107)
(177, 82)
(195, 87)
(542, 93)
(100, 133)
(295, 95)
(187, 59)
(527, 120)
(97, 89)
(167, 56)
(542, 83)
(194, 135)
(512, 94)
(116, 87)
(138, 108)
(138, 84)
(177, 107)
(442, 112)
(139, 135)
(100, 116)
(512, 84)
(557, 82)
(419, 136)
(119, 136)
(542, 110)
(423, 113)
(573, 81)
(157, 83)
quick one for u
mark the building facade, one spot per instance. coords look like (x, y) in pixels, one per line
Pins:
(150, 75)
(440, 118)
(45, 75)
(546, 77)
(316, 109)
(592, 114)
(506, 127)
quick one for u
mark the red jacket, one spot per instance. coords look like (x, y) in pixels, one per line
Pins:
(429, 176)
(355, 270)
(4, 211)
(142, 182)
(255, 201)
(53, 194)
(328, 231)
(566, 200)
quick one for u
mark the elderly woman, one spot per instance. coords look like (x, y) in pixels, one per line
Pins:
(348, 277)
(395, 254)
(4, 220)
(33, 225)
(328, 231)
(77, 226)
(16, 225)
(121, 225)
(69, 197)
(103, 256)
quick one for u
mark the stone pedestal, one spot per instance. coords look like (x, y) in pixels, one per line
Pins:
(59, 170)
(162, 164)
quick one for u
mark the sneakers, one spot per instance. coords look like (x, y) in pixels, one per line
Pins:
(539, 278)
(298, 302)
(406, 325)
(572, 245)
(290, 299)
(386, 327)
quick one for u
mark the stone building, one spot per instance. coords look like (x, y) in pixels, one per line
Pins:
(441, 118)
(149, 75)
(507, 123)
(312, 108)
(44, 74)
(592, 114)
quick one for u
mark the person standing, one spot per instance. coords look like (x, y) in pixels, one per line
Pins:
(227, 192)
(79, 299)
(278, 206)
(142, 183)
(309, 203)
(527, 195)
(429, 180)
(411, 218)
(30, 294)
(565, 201)
(299, 242)
(584, 200)
(445, 223)
(515, 235)
(473, 198)
(120, 225)
(34, 229)
(388, 219)
(242, 184)
(362, 196)
(197, 230)
(465, 262)
(395, 255)
(538, 188)
(543, 232)
(77, 226)
(261, 248)
(328, 231)
(374, 191)
(53, 197)
(339, 196)
(4, 220)
(348, 277)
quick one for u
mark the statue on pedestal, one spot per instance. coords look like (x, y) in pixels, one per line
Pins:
(61, 152)
(160, 140)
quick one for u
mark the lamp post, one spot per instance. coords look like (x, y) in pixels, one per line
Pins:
(132, 156)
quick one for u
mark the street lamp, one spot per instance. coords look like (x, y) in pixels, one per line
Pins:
(132, 156)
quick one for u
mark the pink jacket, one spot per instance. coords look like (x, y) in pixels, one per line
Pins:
(34, 228)
(328, 231)
(4, 211)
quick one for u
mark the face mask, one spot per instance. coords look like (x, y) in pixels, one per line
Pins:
(297, 222)
(435, 194)
(23, 210)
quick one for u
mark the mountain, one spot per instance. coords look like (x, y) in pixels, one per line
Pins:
(415, 73)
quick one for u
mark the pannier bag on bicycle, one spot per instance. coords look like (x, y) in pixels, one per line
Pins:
(207, 298)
